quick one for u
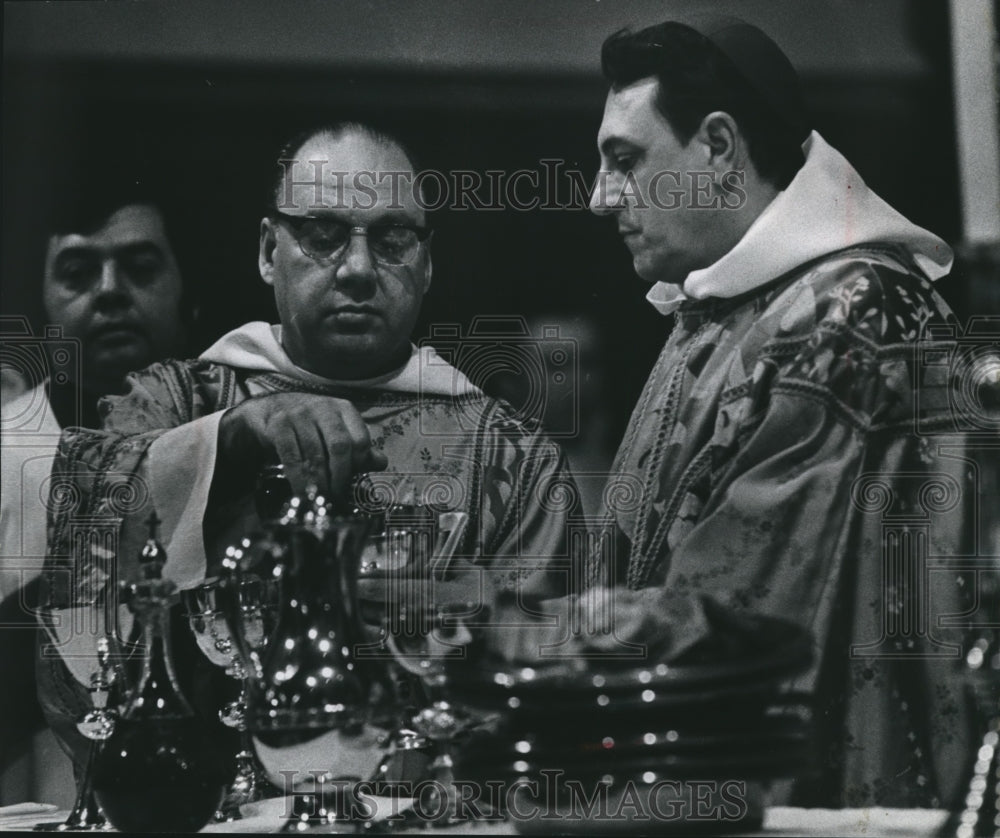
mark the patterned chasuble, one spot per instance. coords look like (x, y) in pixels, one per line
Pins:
(469, 454)
(786, 442)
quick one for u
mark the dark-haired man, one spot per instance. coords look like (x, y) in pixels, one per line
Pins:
(784, 394)
(112, 286)
(335, 390)
(114, 290)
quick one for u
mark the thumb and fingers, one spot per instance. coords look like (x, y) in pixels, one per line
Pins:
(321, 441)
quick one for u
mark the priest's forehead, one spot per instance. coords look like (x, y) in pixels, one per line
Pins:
(352, 168)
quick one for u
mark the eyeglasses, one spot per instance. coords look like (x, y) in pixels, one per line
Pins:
(325, 239)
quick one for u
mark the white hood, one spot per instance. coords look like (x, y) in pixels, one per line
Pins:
(257, 346)
(181, 462)
(827, 207)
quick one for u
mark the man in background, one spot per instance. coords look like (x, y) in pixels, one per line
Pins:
(113, 303)
(783, 401)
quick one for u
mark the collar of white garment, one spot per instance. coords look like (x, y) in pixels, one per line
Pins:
(257, 346)
(827, 207)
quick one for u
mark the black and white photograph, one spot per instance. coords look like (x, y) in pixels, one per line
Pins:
(537, 417)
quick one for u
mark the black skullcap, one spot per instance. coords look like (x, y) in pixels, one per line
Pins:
(760, 61)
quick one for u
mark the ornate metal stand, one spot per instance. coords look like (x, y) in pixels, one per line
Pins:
(97, 725)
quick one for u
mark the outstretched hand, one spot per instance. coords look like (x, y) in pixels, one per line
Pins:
(320, 440)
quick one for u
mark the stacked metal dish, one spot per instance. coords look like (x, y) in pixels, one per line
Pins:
(722, 717)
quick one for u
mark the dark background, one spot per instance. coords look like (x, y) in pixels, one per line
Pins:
(206, 91)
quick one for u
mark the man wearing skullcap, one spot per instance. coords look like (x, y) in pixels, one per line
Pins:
(789, 434)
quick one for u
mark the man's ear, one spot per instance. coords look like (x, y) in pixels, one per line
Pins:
(723, 141)
(428, 269)
(265, 256)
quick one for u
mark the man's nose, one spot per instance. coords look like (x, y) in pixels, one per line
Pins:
(605, 194)
(112, 281)
(357, 264)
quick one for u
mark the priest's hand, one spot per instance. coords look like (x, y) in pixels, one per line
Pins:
(320, 440)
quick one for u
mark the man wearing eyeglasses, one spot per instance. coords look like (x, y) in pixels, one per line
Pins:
(333, 391)
(370, 241)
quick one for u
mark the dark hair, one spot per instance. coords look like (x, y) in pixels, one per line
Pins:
(290, 147)
(695, 78)
(95, 192)
(94, 197)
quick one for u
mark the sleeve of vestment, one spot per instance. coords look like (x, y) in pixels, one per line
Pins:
(102, 496)
(532, 499)
(837, 494)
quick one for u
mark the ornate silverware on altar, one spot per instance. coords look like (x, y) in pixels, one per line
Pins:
(312, 705)
(208, 623)
(159, 768)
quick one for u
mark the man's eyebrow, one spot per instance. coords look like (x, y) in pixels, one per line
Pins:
(138, 248)
(396, 216)
(385, 216)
